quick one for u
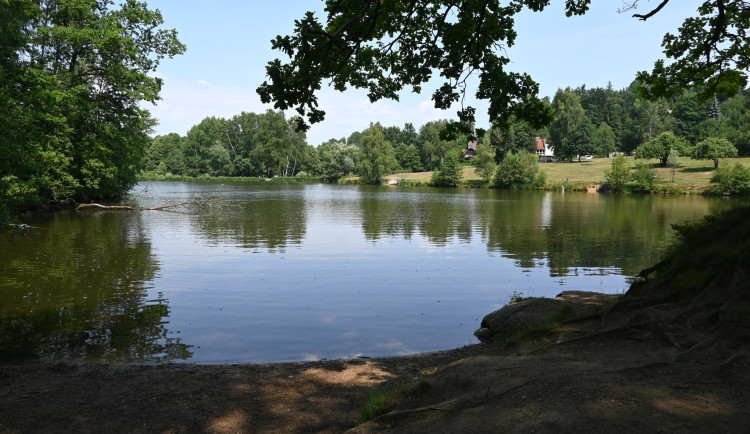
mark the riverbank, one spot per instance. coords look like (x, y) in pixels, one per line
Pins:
(282, 397)
(691, 177)
(566, 379)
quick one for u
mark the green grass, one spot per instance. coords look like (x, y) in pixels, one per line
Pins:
(379, 401)
(693, 176)
(552, 321)
(518, 297)
(382, 398)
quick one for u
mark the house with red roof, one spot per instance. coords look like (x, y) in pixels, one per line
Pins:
(543, 148)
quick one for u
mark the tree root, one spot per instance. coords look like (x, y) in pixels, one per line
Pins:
(705, 343)
(708, 315)
(444, 406)
(392, 415)
(668, 336)
(648, 365)
(728, 362)
(594, 335)
(637, 302)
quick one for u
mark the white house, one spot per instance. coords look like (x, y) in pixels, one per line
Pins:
(543, 149)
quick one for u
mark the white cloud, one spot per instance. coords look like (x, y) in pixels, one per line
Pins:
(186, 103)
(352, 111)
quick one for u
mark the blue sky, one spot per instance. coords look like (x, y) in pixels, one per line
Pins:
(228, 46)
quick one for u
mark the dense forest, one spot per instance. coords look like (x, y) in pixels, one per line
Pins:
(595, 121)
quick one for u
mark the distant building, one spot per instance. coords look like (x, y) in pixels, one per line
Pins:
(543, 149)
(471, 150)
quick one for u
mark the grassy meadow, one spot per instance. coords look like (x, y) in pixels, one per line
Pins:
(691, 176)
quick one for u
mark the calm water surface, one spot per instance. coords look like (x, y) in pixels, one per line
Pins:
(302, 272)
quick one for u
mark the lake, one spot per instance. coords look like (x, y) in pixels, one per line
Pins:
(271, 272)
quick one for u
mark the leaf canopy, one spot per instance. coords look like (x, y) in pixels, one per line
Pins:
(387, 46)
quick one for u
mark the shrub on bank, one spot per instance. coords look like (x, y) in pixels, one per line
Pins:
(643, 178)
(732, 180)
(519, 171)
(450, 172)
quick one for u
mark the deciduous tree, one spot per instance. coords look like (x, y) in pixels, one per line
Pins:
(660, 147)
(606, 141)
(568, 115)
(714, 148)
(376, 156)
(484, 161)
(517, 171)
(73, 76)
(619, 174)
(434, 146)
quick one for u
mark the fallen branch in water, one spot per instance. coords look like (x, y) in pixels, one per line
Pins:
(132, 208)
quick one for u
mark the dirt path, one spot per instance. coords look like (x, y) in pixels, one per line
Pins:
(612, 384)
(287, 397)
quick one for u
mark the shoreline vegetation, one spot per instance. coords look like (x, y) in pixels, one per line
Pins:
(691, 177)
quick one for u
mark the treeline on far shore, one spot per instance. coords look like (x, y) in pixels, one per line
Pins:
(599, 122)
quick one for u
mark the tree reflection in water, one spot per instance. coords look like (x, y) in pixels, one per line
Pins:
(80, 292)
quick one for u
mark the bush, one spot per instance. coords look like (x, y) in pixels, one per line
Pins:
(643, 178)
(732, 180)
(449, 174)
(619, 175)
(484, 161)
(540, 180)
(517, 171)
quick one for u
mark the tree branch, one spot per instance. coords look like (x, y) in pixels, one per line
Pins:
(132, 208)
(652, 13)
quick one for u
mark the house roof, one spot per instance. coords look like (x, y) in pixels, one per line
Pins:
(539, 144)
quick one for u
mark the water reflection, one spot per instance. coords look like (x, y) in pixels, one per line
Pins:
(266, 272)
(567, 232)
(80, 292)
(437, 216)
(270, 222)
(563, 232)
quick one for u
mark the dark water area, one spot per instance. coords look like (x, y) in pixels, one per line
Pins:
(265, 273)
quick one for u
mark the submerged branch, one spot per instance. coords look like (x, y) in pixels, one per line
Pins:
(132, 208)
